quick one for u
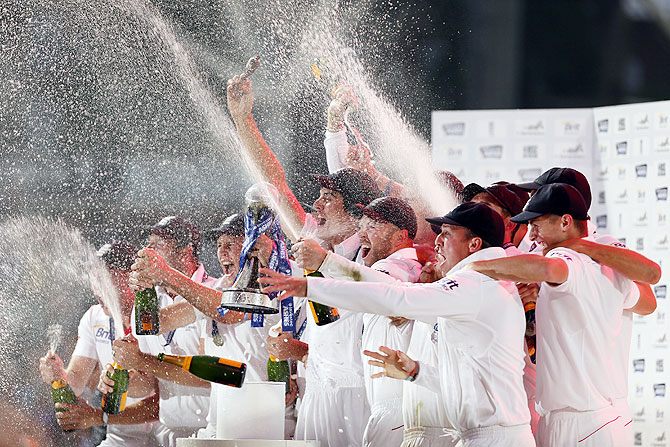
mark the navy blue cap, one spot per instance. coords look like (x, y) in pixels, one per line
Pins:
(394, 210)
(118, 255)
(179, 230)
(233, 225)
(355, 186)
(568, 176)
(479, 218)
(554, 198)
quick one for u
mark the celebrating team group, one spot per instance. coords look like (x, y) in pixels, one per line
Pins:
(506, 321)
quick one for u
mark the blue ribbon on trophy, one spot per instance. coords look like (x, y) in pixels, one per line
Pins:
(257, 223)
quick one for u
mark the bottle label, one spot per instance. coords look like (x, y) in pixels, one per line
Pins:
(147, 320)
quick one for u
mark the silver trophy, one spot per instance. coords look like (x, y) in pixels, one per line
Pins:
(245, 294)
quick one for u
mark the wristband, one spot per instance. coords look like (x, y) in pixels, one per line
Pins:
(415, 372)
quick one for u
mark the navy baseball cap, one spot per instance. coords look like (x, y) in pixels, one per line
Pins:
(568, 176)
(478, 218)
(355, 186)
(501, 193)
(393, 210)
(118, 255)
(554, 198)
(184, 233)
(233, 225)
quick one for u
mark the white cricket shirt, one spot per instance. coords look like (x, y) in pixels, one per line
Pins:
(95, 342)
(180, 406)
(578, 323)
(480, 337)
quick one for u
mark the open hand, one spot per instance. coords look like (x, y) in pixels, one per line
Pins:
(277, 282)
(396, 364)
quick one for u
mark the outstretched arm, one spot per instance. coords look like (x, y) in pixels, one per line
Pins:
(630, 264)
(240, 103)
(524, 269)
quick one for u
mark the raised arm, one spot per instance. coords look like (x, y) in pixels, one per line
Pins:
(524, 269)
(630, 264)
(240, 103)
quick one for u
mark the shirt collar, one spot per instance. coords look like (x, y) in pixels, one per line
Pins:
(404, 253)
(349, 247)
(481, 255)
(200, 275)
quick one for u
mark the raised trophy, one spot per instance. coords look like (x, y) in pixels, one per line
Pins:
(245, 295)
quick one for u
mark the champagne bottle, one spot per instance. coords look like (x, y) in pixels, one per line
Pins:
(146, 312)
(529, 309)
(207, 367)
(115, 402)
(322, 314)
(279, 371)
(62, 393)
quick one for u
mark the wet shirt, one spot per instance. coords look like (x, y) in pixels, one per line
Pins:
(578, 324)
(180, 405)
(95, 342)
(480, 337)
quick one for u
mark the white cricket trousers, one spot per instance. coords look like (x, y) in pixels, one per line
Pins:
(385, 426)
(498, 436)
(428, 437)
(335, 418)
(599, 428)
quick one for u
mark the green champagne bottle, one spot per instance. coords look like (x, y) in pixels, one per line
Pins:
(62, 393)
(207, 367)
(279, 371)
(115, 402)
(146, 312)
(322, 314)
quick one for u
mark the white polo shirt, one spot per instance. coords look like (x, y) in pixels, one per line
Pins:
(578, 324)
(180, 406)
(95, 342)
(480, 337)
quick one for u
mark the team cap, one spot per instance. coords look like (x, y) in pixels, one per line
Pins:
(568, 176)
(554, 198)
(478, 218)
(393, 210)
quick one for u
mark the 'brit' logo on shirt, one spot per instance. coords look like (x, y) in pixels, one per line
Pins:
(103, 334)
(448, 284)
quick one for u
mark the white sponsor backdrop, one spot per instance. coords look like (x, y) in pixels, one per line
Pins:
(624, 151)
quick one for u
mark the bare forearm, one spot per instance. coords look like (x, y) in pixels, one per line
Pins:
(141, 385)
(173, 373)
(265, 161)
(630, 264)
(143, 411)
(203, 298)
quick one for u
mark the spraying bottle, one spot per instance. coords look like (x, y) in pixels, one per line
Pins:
(115, 402)
(322, 314)
(146, 312)
(207, 367)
